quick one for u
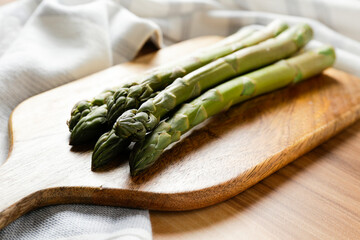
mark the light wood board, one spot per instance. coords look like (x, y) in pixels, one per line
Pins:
(230, 153)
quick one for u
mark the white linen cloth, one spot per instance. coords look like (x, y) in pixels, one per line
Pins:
(44, 44)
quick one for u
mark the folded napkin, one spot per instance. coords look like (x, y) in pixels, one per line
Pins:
(44, 44)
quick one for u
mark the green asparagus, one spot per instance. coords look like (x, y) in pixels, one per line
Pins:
(113, 146)
(220, 98)
(88, 119)
(134, 124)
(84, 121)
(84, 107)
(133, 96)
(87, 122)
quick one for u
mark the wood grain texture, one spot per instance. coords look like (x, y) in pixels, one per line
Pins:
(230, 153)
(315, 197)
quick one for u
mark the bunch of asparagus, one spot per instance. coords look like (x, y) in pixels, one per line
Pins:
(90, 118)
(135, 110)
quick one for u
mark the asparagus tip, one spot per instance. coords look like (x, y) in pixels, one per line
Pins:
(94, 166)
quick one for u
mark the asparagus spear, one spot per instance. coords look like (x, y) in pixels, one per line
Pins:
(88, 118)
(133, 96)
(87, 122)
(220, 98)
(134, 124)
(84, 121)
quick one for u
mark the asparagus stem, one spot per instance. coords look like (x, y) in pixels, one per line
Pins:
(220, 98)
(133, 96)
(83, 121)
(134, 124)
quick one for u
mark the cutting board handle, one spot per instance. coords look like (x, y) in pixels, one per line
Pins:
(18, 195)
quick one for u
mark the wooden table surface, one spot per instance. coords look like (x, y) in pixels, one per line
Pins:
(315, 197)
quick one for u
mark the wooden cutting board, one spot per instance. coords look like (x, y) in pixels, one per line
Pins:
(226, 155)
